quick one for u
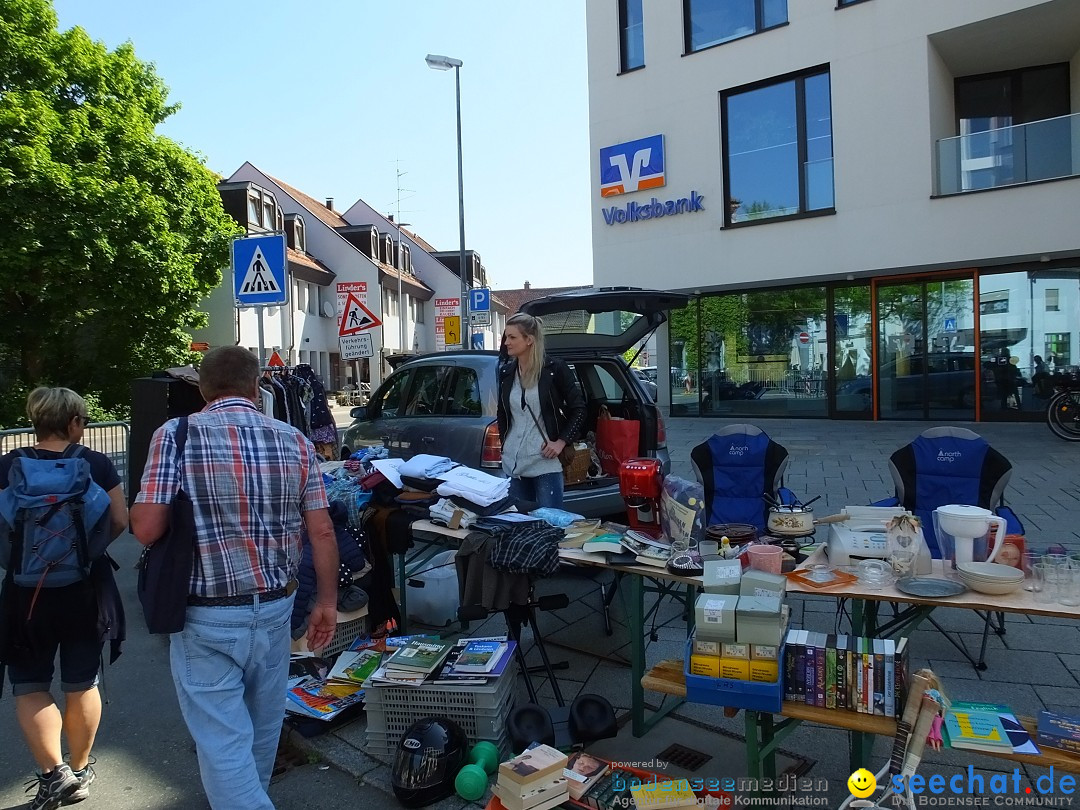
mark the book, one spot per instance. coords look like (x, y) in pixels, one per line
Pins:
(480, 656)
(605, 543)
(902, 676)
(809, 689)
(582, 772)
(448, 673)
(325, 699)
(890, 677)
(1062, 731)
(396, 677)
(841, 672)
(419, 655)
(532, 765)
(670, 794)
(819, 674)
(868, 676)
(830, 672)
(533, 796)
(657, 558)
(355, 667)
(789, 664)
(308, 666)
(878, 706)
(1017, 734)
(589, 797)
(976, 730)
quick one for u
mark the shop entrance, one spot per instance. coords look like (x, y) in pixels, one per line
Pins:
(926, 361)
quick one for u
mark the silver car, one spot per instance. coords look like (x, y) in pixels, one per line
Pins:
(445, 403)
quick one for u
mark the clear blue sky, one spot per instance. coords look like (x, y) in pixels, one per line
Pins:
(328, 94)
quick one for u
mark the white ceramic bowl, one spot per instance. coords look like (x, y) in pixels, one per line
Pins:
(994, 588)
(990, 572)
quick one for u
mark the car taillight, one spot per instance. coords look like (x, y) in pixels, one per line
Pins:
(491, 454)
(661, 432)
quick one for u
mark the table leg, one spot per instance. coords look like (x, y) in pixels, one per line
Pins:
(753, 744)
(637, 654)
(402, 591)
(859, 748)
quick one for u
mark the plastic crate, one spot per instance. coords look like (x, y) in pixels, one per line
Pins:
(478, 724)
(430, 698)
(761, 697)
(350, 626)
(384, 746)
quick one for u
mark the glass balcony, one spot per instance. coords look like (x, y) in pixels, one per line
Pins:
(994, 158)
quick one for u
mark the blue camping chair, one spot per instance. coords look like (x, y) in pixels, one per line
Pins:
(950, 465)
(737, 466)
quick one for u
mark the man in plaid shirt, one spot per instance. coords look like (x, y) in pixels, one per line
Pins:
(253, 481)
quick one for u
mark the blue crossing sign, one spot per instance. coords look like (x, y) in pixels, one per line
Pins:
(260, 271)
(950, 324)
(480, 300)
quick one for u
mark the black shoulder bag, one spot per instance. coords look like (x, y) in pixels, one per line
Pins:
(166, 564)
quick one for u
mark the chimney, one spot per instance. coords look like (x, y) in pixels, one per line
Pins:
(528, 286)
(330, 203)
(390, 217)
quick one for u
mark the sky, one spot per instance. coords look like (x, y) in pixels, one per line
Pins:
(334, 98)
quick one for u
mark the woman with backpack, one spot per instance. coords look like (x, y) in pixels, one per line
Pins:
(72, 618)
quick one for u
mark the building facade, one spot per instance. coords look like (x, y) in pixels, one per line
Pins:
(872, 202)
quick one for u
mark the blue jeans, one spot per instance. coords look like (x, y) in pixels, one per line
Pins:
(230, 666)
(543, 490)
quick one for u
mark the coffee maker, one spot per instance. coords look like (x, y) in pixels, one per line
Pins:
(641, 480)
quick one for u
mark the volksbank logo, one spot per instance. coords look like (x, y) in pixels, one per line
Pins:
(654, 209)
(632, 166)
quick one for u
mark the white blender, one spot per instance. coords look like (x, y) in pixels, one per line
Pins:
(959, 527)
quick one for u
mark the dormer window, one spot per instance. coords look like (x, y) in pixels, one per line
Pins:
(263, 211)
(254, 209)
(298, 235)
(406, 259)
(374, 252)
(280, 220)
(388, 250)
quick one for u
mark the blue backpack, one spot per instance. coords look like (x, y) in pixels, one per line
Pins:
(54, 519)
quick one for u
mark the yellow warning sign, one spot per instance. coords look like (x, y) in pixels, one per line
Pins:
(452, 325)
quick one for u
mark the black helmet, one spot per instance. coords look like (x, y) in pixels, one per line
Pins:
(428, 759)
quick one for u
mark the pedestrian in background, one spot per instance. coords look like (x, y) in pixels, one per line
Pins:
(253, 481)
(541, 410)
(38, 623)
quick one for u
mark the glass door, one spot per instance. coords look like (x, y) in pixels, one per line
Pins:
(926, 363)
(852, 381)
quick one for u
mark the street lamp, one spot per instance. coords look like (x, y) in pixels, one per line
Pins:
(436, 62)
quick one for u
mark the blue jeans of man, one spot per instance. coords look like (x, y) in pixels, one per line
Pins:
(543, 490)
(230, 666)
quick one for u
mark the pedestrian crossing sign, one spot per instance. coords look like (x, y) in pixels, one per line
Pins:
(260, 271)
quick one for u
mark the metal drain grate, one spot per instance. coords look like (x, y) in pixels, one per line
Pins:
(689, 759)
(288, 757)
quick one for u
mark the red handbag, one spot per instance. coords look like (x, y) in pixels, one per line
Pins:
(616, 441)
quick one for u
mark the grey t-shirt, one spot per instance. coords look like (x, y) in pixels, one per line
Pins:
(521, 450)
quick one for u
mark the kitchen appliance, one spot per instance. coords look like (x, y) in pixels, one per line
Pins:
(791, 521)
(641, 480)
(962, 530)
(861, 536)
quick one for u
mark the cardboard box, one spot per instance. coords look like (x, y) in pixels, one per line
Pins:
(722, 576)
(735, 668)
(715, 617)
(705, 665)
(703, 647)
(762, 671)
(762, 583)
(764, 652)
(758, 620)
(735, 651)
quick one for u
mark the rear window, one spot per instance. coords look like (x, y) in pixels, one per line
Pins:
(464, 397)
(580, 322)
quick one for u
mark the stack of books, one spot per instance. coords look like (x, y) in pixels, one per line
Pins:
(583, 772)
(533, 780)
(355, 666)
(476, 661)
(865, 675)
(1059, 731)
(413, 663)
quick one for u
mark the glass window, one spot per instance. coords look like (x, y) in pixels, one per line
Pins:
(301, 242)
(778, 151)
(1058, 356)
(418, 315)
(254, 210)
(993, 303)
(388, 400)
(312, 299)
(631, 35)
(426, 388)
(269, 217)
(465, 395)
(301, 296)
(710, 22)
(1052, 300)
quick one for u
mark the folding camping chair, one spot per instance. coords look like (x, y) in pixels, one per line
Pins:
(974, 474)
(738, 466)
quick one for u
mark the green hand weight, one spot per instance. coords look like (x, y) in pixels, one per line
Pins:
(486, 755)
(471, 782)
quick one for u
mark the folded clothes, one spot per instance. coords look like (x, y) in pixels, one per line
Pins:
(426, 465)
(475, 486)
(481, 510)
(443, 512)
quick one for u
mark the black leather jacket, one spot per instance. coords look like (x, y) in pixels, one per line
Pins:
(562, 404)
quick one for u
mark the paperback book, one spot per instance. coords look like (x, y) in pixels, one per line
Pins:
(480, 657)
(1018, 737)
(976, 730)
(355, 667)
(325, 699)
(582, 772)
(419, 655)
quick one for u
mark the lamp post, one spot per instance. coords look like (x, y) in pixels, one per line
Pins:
(437, 62)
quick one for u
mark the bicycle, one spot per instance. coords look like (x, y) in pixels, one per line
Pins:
(1063, 411)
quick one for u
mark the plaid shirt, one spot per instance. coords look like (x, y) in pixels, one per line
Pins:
(250, 478)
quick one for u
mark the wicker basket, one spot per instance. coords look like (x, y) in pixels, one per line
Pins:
(578, 470)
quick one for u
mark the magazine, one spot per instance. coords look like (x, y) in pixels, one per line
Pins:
(323, 699)
(355, 667)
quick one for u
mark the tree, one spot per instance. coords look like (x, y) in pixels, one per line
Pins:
(110, 234)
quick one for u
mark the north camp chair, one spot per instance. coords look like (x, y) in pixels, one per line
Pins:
(951, 465)
(738, 466)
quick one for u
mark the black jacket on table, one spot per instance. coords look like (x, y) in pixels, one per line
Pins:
(562, 404)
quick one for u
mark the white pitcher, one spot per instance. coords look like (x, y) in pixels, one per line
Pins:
(960, 526)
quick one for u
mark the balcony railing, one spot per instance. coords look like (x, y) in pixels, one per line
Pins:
(994, 158)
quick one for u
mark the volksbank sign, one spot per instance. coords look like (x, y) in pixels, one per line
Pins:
(636, 166)
(654, 209)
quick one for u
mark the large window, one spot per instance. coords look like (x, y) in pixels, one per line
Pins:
(631, 35)
(778, 151)
(711, 22)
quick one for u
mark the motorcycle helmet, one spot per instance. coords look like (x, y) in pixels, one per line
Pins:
(428, 758)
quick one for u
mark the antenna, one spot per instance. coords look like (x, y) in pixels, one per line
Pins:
(400, 270)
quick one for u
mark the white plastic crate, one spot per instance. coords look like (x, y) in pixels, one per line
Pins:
(384, 746)
(350, 626)
(478, 724)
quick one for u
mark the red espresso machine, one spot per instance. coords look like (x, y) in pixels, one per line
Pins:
(641, 480)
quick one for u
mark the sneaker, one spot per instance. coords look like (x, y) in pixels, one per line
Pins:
(85, 777)
(52, 788)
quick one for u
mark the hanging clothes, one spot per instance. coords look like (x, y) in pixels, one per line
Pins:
(323, 426)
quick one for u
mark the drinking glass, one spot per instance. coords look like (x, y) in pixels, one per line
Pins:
(1055, 559)
(1029, 561)
(1044, 582)
(1068, 581)
(679, 546)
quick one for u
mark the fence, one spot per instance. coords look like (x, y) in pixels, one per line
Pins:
(110, 438)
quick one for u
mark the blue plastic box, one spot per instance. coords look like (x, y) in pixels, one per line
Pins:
(761, 697)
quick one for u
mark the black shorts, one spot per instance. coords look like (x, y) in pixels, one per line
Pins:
(64, 620)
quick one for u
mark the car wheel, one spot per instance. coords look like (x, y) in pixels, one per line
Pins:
(345, 453)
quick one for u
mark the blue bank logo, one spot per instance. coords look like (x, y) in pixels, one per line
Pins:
(632, 166)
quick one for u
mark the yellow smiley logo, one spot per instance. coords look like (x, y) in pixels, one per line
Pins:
(862, 783)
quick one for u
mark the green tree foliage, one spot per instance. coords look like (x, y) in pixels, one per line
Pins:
(110, 234)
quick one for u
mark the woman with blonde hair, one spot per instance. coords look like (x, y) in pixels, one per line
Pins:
(72, 619)
(541, 411)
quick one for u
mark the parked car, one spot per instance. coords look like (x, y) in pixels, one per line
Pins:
(950, 381)
(650, 385)
(445, 403)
